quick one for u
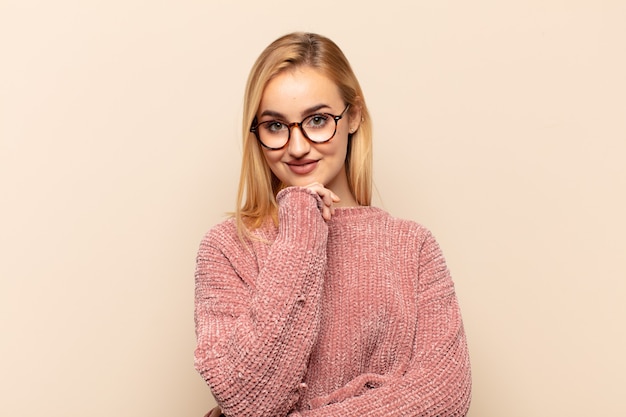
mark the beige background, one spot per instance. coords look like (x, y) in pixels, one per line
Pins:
(500, 125)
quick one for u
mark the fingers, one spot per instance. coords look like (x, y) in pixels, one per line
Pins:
(328, 199)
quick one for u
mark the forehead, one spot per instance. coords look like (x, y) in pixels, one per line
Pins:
(299, 88)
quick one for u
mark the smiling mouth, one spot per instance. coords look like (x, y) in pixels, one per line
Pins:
(302, 167)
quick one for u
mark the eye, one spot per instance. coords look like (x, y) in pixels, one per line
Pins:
(316, 121)
(274, 126)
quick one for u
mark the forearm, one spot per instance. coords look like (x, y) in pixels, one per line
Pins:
(255, 333)
(438, 382)
(437, 378)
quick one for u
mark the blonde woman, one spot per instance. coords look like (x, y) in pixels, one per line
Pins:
(309, 301)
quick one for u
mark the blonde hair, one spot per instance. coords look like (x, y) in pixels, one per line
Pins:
(258, 186)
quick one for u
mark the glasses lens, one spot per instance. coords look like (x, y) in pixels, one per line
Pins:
(273, 134)
(319, 127)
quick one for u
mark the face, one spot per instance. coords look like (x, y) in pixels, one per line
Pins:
(290, 97)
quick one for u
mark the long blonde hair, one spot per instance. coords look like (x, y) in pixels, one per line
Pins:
(258, 186)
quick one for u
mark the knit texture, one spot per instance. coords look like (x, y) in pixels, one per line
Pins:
(356, 316)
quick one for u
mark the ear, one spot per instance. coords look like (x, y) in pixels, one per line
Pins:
(354, 117)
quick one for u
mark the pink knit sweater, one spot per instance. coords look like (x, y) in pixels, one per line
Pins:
(356, 316)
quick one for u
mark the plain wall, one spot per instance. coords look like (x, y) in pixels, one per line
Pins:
(499, 125)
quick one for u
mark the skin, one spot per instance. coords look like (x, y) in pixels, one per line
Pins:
(290, 97)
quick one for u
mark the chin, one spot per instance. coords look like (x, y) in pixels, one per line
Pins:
(300, 181)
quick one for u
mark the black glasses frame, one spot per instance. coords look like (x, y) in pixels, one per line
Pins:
(255, 129)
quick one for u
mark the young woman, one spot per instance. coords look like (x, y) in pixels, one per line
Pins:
(309, 301)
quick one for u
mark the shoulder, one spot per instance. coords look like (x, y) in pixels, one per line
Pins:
(420, 250)
(415, 238)
(222, 237)
(408, 230)
(225, 237)
(225, 231)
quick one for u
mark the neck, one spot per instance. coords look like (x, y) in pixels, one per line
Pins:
(340, 187)
(347, 199)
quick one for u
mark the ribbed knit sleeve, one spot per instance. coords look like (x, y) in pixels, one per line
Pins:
(437, 380)
(256, 321)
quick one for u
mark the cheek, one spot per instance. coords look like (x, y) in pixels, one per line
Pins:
(269, 158)
(340, 149)
(272, 159)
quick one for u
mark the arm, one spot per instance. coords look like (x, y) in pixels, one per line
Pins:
(437, 381)
(255, 333)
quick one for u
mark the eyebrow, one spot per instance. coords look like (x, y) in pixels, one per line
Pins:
(304, 113)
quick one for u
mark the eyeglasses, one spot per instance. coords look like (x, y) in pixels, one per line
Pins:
(318, 128)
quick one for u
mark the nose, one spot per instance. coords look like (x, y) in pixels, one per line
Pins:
(298, 145)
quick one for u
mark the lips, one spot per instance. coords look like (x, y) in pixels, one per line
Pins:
(302, 167)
